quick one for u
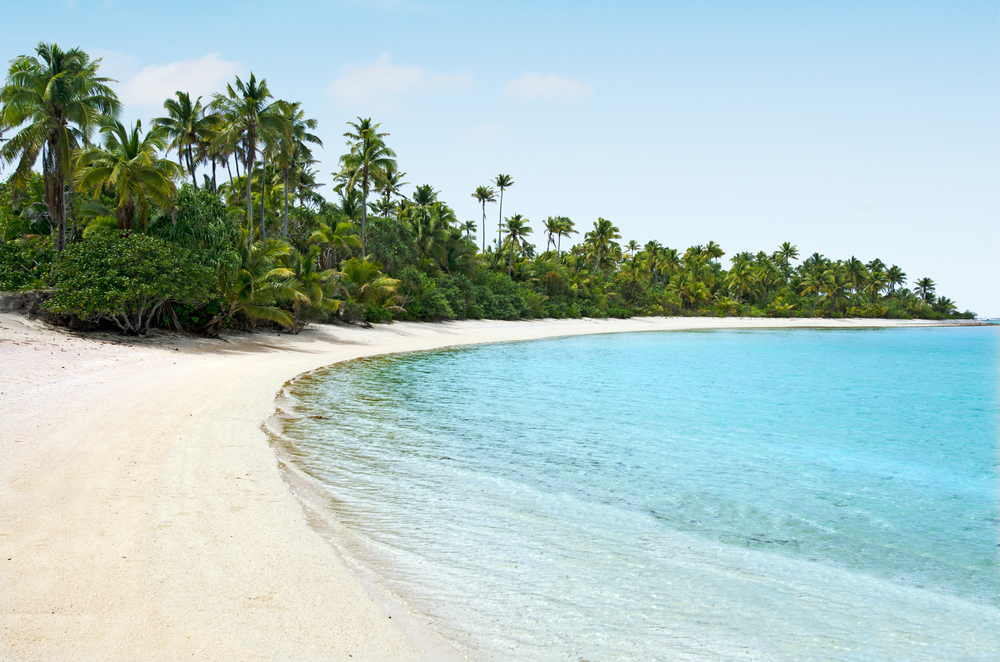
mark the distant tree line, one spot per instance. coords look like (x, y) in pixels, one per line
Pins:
(212, 218)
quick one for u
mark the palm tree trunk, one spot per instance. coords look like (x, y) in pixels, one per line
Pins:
(364, 217)
(214, 187)
(194, 178)
(249, 165)
(61, 207)
(284, 227)
(484, 226)
(263, 192)
(500, 219)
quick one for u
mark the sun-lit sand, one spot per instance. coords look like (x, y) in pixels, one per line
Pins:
(144, 514)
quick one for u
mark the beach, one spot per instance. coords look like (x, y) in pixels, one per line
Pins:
(146, 516)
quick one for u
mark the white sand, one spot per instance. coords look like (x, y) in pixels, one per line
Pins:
(142, 512)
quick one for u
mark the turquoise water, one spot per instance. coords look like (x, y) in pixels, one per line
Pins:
(778, 495)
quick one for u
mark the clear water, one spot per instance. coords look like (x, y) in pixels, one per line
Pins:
(727, 495)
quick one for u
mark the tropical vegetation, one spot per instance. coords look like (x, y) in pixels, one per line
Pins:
(115, 224)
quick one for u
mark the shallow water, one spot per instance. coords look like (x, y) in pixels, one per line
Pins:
(780, 495)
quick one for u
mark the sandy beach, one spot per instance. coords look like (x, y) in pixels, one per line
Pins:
(144, 513)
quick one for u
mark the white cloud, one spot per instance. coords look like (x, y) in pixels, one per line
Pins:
(155, 83)
(536, 86)
(383, 83)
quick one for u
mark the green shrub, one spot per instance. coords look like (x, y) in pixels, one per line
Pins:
(126, 280)
(25, 264)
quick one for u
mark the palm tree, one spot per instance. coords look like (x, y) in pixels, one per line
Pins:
(254, 282)
(600, 238)
(188, 128)
(632, 247)
(393, 182)
(469, 227)
(741, 278)
(502, 182)
(57, 99)
(291, 145)
(925, 288)
(384, 206)
(129, 166)
(895, 276)
(552, 225)
(818, 281)
(565, 230)
(425, 195)
(430, 227)
(517, 228)
(249, 118)
(484, 194)
(366, 165)
(367, 285)
(334, 241)
(944, 305)
(788, 252)
(713, 250)
(857, 273)
(312, 286)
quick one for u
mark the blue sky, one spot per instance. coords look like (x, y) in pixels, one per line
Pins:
(848, 128)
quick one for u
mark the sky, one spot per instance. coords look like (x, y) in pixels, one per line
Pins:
(865, 129)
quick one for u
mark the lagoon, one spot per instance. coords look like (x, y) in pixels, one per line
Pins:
(778, 494)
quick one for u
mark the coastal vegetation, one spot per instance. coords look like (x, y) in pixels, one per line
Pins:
(213, 218)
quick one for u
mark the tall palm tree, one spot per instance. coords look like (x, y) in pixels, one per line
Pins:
(788, 252)
(600, 238)
(57, 99)
(366, 165)
(250, 117)
(895, 276)
(129, 166)
(290, 145)
(189, 129)
(714, 251)
(384, 206)
(565, 230)
(857, 273)
(632, 247)
(484, 194)
(818, 281)
(517, 228)
(502, 182)
(925, 288)
(393, 182)
(551, 225)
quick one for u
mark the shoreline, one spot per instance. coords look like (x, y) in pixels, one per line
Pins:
(146, 515)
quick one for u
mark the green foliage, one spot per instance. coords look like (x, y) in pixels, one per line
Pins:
(422, 298)
(498, 297)
(25, 264)
(391, 242)
(126, 280)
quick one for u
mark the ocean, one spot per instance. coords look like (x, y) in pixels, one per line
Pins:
(717, 495)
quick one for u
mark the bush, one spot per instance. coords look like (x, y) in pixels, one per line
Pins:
(425, 299)
(25, 265)
(126, 280)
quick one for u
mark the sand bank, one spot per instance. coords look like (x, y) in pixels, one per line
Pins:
(144, 515)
